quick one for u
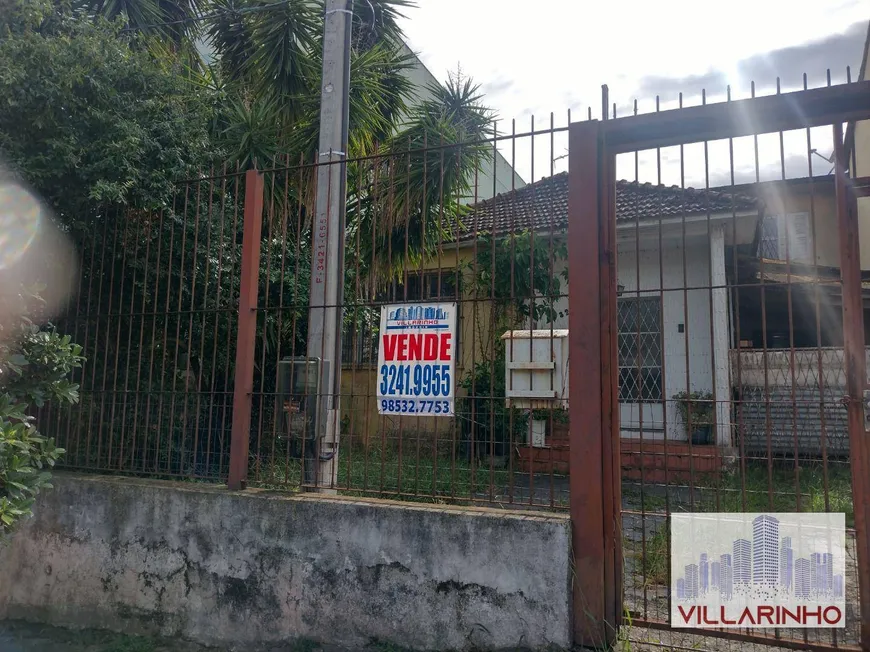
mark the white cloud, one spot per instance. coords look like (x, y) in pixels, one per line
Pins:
(553, 55)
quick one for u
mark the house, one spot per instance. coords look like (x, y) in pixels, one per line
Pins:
(858, 153)
(787, 365)
(715, 288)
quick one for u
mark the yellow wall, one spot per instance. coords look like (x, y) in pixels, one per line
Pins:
(784, 198)
(359, 409)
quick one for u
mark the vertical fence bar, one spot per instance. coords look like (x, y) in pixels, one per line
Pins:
(585, 383)
(610, 440)
(243, 386)
(856, 374)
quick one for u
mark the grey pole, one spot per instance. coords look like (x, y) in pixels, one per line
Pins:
(320, 462)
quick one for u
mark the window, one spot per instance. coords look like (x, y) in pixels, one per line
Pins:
(360, 343)
(793, 230)
(639, 349)
(427, 286)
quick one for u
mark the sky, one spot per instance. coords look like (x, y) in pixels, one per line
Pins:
(532, 59)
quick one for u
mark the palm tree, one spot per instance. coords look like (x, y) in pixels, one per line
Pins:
(263, 59)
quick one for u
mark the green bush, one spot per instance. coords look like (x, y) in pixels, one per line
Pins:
(35, 365)
(486, 423)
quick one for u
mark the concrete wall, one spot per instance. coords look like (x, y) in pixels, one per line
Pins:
(251, 568)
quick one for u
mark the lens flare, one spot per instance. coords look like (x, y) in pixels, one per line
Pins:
(20, 218)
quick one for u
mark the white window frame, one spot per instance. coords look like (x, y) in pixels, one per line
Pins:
(639, 365)
(796, 228)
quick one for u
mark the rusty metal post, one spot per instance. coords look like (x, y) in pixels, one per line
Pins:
(856, 373)
(244, 374)
(590, 418)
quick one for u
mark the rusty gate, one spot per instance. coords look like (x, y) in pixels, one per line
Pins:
(736, 298)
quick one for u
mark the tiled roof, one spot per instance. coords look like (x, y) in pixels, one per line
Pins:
(544, 204)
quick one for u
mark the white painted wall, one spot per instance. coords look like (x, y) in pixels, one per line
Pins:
(862, 169)
(704, 373)
(644, 272)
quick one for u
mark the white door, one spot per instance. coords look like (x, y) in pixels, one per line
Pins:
(639, 328)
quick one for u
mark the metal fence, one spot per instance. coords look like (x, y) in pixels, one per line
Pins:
(186, 314)
(156, 314)
(714, 324)
(731, 351)
(424, 224)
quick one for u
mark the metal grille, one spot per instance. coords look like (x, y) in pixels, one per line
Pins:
(640, 349)
(185, 316)
(359, 343)
(761, 335)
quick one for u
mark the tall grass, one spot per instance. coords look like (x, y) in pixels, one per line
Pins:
(780, 488)
(412, 474)
(417, 475)
(758, 488)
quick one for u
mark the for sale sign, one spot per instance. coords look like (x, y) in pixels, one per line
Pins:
(416, 359)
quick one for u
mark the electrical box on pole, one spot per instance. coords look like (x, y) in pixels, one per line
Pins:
(301, 399)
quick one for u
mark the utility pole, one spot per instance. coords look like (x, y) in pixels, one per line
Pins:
(327, 265)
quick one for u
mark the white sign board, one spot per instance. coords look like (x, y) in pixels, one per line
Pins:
(741, 570)
(416, 359)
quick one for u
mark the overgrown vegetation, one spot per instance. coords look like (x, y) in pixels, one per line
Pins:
(761, 488)
(35, 365)
(122, 115)
(418, 474)
(516, 275)
(431, 476)
(774, 488)
(655, 564)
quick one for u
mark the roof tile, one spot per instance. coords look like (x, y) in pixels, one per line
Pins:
(544, 205)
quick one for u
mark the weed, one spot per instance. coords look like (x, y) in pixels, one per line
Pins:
(415, 474)
(654, 564)
(772, 487)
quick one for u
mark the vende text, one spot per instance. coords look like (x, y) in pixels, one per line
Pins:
(429, 346)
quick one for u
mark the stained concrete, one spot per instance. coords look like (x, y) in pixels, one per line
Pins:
(252, 568)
